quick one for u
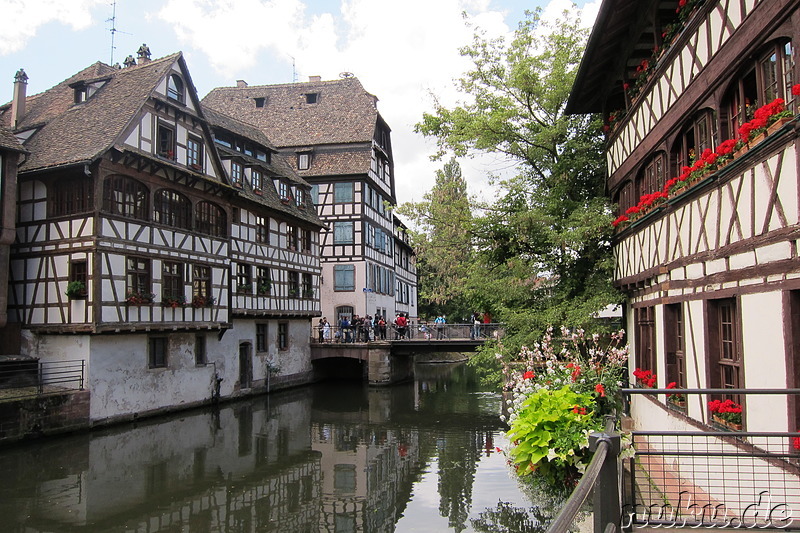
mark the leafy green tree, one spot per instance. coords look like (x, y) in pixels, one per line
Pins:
(542, 249)
(442, 240)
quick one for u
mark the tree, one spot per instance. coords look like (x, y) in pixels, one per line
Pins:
(442, 240)
(542, 249)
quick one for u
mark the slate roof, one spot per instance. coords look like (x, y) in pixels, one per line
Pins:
(345, 112)
(76, 133)
(8, 141)
(277, 166)
(326, 163)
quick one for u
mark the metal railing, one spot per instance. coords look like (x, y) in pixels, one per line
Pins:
(714, 473)
(415, 331)
(24, 379)
(600, 477)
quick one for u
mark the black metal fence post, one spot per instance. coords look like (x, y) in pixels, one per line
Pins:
(607, 508)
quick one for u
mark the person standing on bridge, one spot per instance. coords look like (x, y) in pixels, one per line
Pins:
(440, 322)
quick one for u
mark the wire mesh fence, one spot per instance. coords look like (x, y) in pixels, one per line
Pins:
(720, 478)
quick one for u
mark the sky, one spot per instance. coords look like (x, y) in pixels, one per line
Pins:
(405, 53)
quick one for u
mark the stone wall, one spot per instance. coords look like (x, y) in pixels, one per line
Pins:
(43, 415)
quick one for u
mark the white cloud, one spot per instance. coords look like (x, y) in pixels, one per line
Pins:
(27, 17)
(401, 51)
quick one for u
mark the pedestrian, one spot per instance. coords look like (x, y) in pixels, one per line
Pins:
(326, 330)
(382, 327)
(440, 322)
(344, 328)
(402, 324)
(476, 326)
(319, 327)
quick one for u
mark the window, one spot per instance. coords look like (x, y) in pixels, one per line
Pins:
(244, 284)
(263, 281)
(315, 194)
(194, 153)
(201, 281)
(291, 237)
(200, 353)
(312, 98)
(294, 284)
(172, 282)
(256, 180)
(261, 337)
(262, 230)
(645, 338)
(210, 219)
(625, 197)
(697, 135)
(344, 478)
(259, 101)
(283, 190)
(768, 77)
(283, 336)
(303, 161)
(71, 196)
(172, 209)
(81, 94)
(675, 345)
(308, 286)
(299, 197)
(138, 277)
(126, 197)
(344, 278)
(237, 172)
(306, 240)
(343, 233)
(342, 192)
(725, 359)
(165, 141)
(652, 177)
(157, 352)
(78, 279)
(175, 88)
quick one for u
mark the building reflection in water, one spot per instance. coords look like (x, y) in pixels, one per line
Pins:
(333, 457)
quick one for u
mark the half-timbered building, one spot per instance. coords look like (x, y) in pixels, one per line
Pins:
(700, 101)
(134, 227)
(334, 136)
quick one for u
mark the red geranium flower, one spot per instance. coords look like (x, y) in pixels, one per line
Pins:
(600, 389)
(528, 375)
(796, 89)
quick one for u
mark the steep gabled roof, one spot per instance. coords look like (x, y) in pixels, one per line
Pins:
(8, 141)
(69, 133)
(343, 113)
(277, 166)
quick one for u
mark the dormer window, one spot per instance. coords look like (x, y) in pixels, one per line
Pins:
(81, 94)
(259, 101)
(299, 197)
(303, 161)
(175, 88)
(237, 172)
(312, 98)
(165, 141)
(283, 190)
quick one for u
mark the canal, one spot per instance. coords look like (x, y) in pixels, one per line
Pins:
(333, 457)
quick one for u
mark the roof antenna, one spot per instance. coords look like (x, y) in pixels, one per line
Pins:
(113, 30)
(294, 71)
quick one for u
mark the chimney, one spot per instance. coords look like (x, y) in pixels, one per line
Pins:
(18, 101)
(312, 79)
(143, 54)
(241, 84)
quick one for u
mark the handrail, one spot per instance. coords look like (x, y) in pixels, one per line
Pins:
(578, 497)
(607, 510)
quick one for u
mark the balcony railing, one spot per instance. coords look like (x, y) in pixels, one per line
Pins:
(709, 476)
(25, 379)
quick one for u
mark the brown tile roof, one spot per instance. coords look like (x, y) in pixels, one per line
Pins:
(325, 163)
(75, 133)
(344, 113)
(8, 141)
(277, 167)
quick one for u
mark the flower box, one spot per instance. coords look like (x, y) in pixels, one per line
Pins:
(778, 124)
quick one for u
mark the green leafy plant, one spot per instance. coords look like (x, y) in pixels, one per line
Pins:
(551, 431)
(76, 290)
(173, 301)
